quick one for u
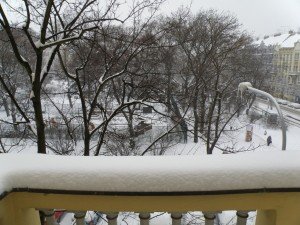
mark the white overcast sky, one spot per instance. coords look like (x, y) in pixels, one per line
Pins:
(259, 17)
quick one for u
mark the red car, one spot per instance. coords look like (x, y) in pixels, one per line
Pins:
(58, 215)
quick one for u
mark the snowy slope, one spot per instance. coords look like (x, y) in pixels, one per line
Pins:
(151, 174)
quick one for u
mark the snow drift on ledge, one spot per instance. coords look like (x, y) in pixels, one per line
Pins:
(151, 174)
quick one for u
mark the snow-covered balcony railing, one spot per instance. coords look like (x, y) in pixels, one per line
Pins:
(266, 182)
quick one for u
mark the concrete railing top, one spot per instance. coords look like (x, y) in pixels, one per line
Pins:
(198, 174)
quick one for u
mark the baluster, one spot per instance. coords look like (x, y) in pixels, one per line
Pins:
(242, 217)
(176, 218)
(112, 218)
(209, 217)
(79, 216)
(144, 218)
(49, 215)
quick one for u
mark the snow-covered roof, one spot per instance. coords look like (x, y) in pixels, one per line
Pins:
(203, 173)
(283, 40)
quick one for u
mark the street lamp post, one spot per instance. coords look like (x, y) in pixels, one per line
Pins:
(246, 86)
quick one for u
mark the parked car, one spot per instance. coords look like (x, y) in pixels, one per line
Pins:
(295, 105)
(282, 102)
(58, 215)
(272, 118)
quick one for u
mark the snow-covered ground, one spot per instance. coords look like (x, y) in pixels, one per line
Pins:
(235, 139)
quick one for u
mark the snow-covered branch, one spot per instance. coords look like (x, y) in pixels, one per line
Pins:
(64, 40)
(48, 63)
(6, 26)
(45, 22)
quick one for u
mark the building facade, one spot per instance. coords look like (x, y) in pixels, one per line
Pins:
(285, 75)
(285, 79)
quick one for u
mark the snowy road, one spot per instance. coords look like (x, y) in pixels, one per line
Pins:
(286, 110)
(292, 118)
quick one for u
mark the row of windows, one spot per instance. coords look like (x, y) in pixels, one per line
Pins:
(294, 80)
(287, 57)
(285, 68)
(285, 80)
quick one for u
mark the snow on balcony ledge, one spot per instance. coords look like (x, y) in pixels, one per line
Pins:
(160, 174)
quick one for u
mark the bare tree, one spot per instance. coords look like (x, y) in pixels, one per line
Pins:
(211, 43)
(58, 22)
(108, 61)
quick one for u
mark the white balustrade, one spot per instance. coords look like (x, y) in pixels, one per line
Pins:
(112, 218)
(79, 216)
(49, 216)
(176, 218)
(209, 217)
(144, 218)
(242, 217)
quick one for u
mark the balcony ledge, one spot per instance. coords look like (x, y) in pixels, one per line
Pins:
(159, 175)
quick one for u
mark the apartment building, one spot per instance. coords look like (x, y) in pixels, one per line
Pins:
(285, 77)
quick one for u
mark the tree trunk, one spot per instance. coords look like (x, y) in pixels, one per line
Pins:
(70, 99)
(86, 142)
(168, 103)
(218, 116)
(39, 121)
(87, 135)
(196, 117)
(13, 115)
(182, 123)
(5, 104)
(131, 129)
(210, 117)
(202, 112)
(37, 104)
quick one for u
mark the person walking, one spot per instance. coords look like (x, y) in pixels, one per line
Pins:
(269, 140)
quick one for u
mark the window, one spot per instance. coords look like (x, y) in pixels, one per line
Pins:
(296, 56)
(290, 80)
